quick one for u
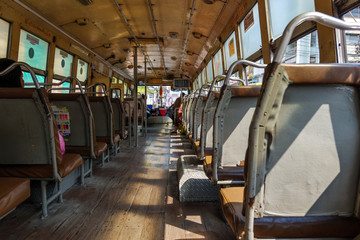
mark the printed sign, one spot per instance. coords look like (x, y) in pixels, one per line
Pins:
(249, 21)
(62, 118)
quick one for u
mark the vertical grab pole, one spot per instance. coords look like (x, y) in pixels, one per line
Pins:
(135, 99)
(145, 107)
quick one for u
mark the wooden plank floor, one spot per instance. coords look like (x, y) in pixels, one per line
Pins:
(134, 196)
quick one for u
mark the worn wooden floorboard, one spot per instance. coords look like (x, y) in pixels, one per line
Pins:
(134, 196)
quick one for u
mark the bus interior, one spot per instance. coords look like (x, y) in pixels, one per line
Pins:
(191, 119)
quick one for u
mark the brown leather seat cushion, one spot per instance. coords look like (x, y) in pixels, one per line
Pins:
(116, 138)
(225, 173)
(285, 227)
(70, 162)
(13, 191)
(99, 148)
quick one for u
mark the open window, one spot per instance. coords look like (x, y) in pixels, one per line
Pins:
(209, 71)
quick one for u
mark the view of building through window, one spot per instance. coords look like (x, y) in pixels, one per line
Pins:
(352, 38)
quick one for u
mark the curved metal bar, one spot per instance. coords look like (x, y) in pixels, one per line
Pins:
(78, 83)
(27, 66)
(97, 84)
(310, 16)
(111, 91)
(202, 87)
(242, 62)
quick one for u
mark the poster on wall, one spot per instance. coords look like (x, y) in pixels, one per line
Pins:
(231, 47)
(62, 118)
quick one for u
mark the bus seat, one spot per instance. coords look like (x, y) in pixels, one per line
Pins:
(198, 112)
(119, 117)
(306, 171)
(31, 129)
(104, 123)
(13, 191)
(232, 135)
(206, 133)
(81, 121)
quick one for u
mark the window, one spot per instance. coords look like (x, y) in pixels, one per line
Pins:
(200, 80)
(82, 70)
(209, 72)
(62, 63)
(230, 50)
(255, 75)
(64, 85)
(203, 76)
(283, 11)
(33, 50)
(114, 80)
(217, 62)
(99, 90)
(28, 79)
(125, 89)
(4, 38)
(352, 38)
(304, 50)
(250, 33)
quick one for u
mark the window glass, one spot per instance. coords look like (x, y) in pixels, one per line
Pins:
(121, 81)
(283, 11)
(33, 50)
(82, 70)
(218, 68)
(250, 33)
(28, 79)
(255, 75)
(352, 38)
(99, 90)
(203, 76)
(209, 71)
(304, 50)
(4, 38)
(125, 89)
(64, 85)
(200, 79)
(230, 50)
(114, 80)
(62, 63)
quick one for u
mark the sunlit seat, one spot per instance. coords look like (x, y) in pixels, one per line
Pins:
(31, 148)
(13, 191)
(231, 133)
(303, 164)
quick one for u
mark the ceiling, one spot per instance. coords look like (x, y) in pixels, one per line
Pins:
(101, 27)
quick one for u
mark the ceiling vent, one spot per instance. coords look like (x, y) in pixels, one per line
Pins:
(86, 2)
(173, 34)
(82, 21)
(197, 35)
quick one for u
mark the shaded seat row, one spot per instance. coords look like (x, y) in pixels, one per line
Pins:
(32, 148)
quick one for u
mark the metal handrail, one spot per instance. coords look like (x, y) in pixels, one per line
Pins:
(78, 83)
(318, 17)
(242, 62)
(97, 84)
